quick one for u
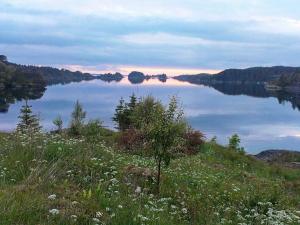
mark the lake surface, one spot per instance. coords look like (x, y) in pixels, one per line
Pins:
(263, 122)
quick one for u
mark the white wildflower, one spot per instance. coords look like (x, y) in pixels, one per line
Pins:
(54, 211)
(138, 190)
(74, 217)
(96, 220)
(184, 210)
(52, 197)
(99, 214)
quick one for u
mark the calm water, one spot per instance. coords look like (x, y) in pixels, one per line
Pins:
(261, 122)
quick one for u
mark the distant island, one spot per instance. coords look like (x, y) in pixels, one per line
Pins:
(136, 77)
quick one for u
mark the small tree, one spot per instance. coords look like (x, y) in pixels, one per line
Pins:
(132, 102)
(234, 143)
(29, 122)
(77, 121)
(124, 113)
(58, 123)
(119, 117)
(165, 134)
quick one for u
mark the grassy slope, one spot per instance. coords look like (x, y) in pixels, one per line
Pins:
(216, 186)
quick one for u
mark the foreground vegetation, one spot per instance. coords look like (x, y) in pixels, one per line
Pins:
(87, 174)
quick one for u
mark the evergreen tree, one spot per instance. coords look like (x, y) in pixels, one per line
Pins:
(132, 102)
(29, 122)
(77, 121)
(120, 115)
(58, 123)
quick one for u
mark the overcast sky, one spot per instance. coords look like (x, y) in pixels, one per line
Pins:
(172, 36)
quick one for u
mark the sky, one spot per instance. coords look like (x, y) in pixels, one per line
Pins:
(152, 36)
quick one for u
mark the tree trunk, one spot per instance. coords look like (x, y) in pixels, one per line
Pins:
(158, 175)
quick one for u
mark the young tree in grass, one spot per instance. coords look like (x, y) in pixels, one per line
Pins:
(29, 122)
(234, 143)
(58, 123)
(124, 113)
(165, 134)
(77, 119)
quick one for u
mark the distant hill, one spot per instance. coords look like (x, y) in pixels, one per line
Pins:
(242, 76)
(14, 77)
(285, 157)
(53, 75)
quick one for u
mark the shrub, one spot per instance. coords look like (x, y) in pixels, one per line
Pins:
(92, 130)
(146, 111)
(131, 140)
(194, 140)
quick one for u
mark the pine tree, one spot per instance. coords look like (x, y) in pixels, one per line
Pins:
(29, 122)
(132, 103)
(58, 123)
(78, 116)
(119, 115)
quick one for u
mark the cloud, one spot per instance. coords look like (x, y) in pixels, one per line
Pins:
(214, 34)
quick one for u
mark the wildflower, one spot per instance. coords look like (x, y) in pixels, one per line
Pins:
(138, 190)
(99, 214)
(52, 197)
(75, 203)
(96, 220)
(74, 217)
(184, 210)
(54, 211)
(120, 206)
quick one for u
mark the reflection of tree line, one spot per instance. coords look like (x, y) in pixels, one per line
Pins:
(10, 96)
(257, 90)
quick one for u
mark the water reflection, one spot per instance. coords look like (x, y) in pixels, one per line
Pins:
(258, 90)
(11, 96)
(219, 110)
(8, 97)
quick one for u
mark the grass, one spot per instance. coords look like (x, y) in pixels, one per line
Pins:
(87, 178)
